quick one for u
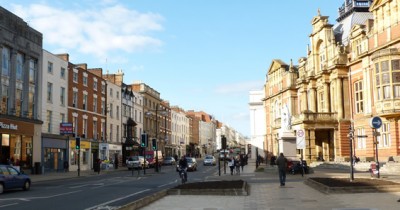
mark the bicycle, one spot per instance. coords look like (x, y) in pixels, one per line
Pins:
(183, 176)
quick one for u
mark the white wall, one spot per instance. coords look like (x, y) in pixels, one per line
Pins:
(55, 104)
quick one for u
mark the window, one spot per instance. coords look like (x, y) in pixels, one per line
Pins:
(48, 119)
(85, 80)
(95, 85)
(117, 94)
(111, 92)
(384, 138)
(103, 88)
(49, 67)
(321, 101)
(84, 132)
(75, 99)
(359, 99)
(62, 117)
(75, 125)
(386, 92)
(85, 102)
(75, 77)
(49, 92)
(95, 136)
(117, 132)
(5, 62)
(117, 113)
(95, 104)
(20, 67)
(322, 57)
(103, 107)
(361, 140)
(62, 96)
(111, 110)
(62, 73)
(111, 132)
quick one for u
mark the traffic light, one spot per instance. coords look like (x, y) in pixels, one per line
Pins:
(154, 143)
(143, 140)
(77, 143)
(223, 142)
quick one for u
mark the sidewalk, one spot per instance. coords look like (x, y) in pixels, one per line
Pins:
(266, 194)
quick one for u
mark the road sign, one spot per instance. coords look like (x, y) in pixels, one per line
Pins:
(375, 122)
(300, 139)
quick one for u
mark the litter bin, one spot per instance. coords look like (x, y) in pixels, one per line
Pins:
(38, 169)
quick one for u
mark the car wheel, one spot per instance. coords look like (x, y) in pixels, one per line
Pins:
(1, 188)
(27, 185)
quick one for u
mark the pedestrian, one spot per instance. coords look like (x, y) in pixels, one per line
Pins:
(98, 165)
(116, 162)
(231, 164)
(273, 159)
(282, 166)
(237, 164)
(242, 161)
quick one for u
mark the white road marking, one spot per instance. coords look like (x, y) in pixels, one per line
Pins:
(11, 204)
(168, 183)
(44, 197)
(112, 201)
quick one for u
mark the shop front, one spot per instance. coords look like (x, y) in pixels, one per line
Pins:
(84, 156)
(55, 156)
(19, 143)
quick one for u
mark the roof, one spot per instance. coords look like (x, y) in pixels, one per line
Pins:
(342, 29)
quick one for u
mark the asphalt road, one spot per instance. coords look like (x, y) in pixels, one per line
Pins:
(107, 191)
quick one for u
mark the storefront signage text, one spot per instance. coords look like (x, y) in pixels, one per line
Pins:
(8, 126)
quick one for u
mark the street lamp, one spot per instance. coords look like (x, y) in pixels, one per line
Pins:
(162, 112)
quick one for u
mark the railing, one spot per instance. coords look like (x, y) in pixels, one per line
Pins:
(316, 117)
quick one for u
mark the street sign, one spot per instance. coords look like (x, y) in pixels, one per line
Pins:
(300, 139)
(375, 122)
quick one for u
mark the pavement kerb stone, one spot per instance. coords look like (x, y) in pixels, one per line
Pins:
(144, 201)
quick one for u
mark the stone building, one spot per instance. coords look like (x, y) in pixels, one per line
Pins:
(20, 92)
(314, 96)
(374, 67)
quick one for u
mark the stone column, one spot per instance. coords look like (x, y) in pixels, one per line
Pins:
(310, 145)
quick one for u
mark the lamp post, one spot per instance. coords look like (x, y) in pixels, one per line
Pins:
(148, 113)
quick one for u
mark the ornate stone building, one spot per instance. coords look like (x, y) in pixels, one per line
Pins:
(374, 66)
(314, 96)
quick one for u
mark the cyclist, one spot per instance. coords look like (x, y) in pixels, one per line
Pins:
(183, 166)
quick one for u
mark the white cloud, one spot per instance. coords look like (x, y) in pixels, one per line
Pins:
(100, 32)
(240, 87)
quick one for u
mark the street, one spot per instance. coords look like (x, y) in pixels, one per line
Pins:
(104, 191)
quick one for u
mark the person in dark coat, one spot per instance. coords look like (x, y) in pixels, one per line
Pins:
(282, 167)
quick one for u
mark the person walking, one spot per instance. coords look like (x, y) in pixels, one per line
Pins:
(242, 161)
(282, 166)
(231, 164)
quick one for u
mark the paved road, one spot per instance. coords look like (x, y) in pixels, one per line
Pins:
(107, 190)
(266, 194)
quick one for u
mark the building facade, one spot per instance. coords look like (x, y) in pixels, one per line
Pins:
(55, 112)
(374, 67)
(20, 92)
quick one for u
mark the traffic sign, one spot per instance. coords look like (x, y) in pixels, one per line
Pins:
(300, 139)
(375, 122)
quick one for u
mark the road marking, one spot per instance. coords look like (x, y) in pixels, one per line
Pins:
(168, 183)
(118, 199)
(11, 204)
(44, 197)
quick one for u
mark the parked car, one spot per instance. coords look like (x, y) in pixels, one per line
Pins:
(11, 178)
(209, 160)
(169, 161)
(135, 162)
(192, 164)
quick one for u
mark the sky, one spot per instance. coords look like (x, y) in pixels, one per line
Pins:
(201, 55)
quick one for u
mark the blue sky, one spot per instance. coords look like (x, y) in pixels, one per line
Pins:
(202, 55)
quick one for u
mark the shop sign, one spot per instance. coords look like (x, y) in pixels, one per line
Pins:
(66, 128)
(8, 126)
